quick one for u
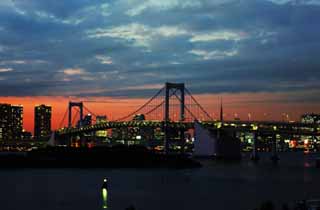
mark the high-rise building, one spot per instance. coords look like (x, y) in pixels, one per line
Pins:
(42, 121)
(5, 131)
(17, 121)
(11, 120)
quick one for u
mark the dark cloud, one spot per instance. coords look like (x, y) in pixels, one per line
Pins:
(213, 46)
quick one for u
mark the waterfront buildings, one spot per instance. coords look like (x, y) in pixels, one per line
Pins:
(102, 133)
(42, 121)
(17, 121)
(11, 121)
(310, 118)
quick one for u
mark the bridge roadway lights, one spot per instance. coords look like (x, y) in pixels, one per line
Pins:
(241, 126)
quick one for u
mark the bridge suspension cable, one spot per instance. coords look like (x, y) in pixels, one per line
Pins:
(196, 102)
(90, 112)
(141, 107)
(159, 105)
(188, 110)
(100, 102)
(75, 117)
(195, 110)
(155, 107)
(63, 119)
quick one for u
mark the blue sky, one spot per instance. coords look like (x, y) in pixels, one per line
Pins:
(129, 48)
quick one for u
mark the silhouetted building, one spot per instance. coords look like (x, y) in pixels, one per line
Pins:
(145, 135)
(139, 117)
(310, 118)
(4, 121)
(11, 120)
(42, 121)
(120, 135)
(17, 121)
(87, 120)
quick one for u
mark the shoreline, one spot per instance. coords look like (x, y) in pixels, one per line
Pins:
(104, 157)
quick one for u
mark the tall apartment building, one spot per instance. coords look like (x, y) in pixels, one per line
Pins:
(42, 121)
(11, 122)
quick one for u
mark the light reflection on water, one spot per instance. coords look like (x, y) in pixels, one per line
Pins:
(215, 186)
(104, 193)
(104, 198)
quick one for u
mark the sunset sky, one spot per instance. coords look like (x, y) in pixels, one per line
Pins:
(260, 56)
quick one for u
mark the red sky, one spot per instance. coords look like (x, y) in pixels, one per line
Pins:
(262, 106)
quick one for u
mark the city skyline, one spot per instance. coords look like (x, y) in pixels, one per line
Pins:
(160, 104)
(234, 106)
(260, 56)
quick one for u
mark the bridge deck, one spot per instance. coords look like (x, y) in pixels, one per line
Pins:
(236, 126)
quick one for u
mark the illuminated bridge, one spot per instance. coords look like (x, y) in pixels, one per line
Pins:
(236, 126)
(174, 108)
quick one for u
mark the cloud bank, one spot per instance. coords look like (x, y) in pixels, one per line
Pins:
(107, 47)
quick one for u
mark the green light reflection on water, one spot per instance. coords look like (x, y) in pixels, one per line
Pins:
(104, 198)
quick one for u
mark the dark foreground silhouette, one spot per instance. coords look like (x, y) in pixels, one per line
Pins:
(300, 205)
(97, 157)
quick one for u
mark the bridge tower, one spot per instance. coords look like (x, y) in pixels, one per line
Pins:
(71, 105)
(173, 87)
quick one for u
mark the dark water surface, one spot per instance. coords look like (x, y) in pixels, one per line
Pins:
(217, 185)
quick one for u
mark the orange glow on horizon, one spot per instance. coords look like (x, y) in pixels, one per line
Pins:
(261, 106)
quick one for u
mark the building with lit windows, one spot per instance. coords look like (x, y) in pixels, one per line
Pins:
(42, 121)
(17, 121)
(99, 120)
(11, 121)
(310, 118)
(4, 122)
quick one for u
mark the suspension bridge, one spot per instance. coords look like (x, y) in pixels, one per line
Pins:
(163, 106)
(173, 109)
(160, 111)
